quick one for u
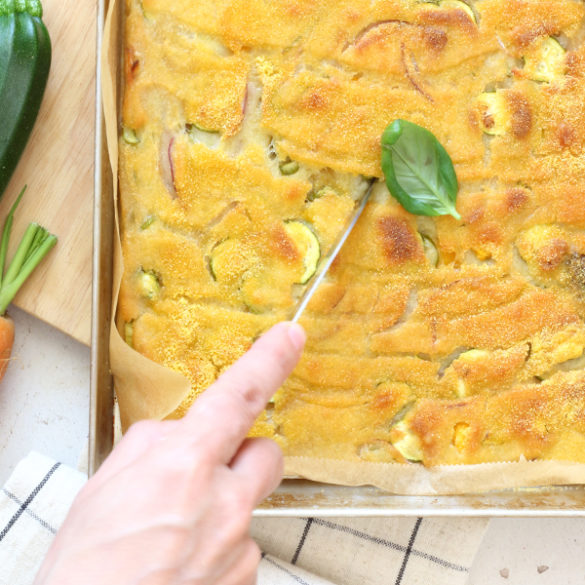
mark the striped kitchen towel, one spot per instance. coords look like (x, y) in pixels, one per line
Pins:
(297, 551)
(33, 505)
(368, 551)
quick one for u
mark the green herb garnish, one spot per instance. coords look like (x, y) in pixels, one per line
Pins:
(419, 173)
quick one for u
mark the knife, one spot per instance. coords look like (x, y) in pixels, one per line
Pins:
(326, 264)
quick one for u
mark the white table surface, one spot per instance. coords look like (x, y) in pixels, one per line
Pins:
(44, 406)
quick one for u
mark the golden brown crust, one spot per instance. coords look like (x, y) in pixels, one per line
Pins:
(468, 355)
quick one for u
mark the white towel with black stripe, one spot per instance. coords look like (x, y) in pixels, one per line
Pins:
(368, 551)
(297, 551)
(33, 505)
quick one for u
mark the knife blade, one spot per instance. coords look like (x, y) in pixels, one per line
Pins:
(326, 264)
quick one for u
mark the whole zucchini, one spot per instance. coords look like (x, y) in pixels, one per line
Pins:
(25, 59)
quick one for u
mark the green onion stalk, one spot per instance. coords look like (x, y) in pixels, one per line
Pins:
(34, 246)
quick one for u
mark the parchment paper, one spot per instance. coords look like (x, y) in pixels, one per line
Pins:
(144, 389)
(147, 390)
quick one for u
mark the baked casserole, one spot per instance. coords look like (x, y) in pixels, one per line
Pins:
(251, 128)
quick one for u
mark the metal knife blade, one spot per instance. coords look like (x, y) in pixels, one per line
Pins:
(326, 264)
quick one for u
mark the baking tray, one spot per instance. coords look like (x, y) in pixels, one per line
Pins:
(294, 497)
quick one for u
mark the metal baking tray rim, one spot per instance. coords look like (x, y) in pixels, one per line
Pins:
(294, 498)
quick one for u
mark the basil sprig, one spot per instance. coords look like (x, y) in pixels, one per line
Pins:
(419, 173)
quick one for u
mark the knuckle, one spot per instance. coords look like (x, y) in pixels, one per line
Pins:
(211, 414)
(248, 390)
(196, 455)
(249, 394)
(205, 408)
(191, 463)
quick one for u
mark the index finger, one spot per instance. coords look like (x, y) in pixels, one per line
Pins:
(222, 416)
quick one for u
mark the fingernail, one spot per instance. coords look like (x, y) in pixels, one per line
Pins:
(297, 336)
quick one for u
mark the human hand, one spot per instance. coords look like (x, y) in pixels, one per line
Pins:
(173, 502)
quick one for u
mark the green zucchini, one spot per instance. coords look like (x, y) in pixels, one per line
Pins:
(406, 442)
(129, 333)
(307, 243)
(149, 284)
(403, 438)
(547, 62)
(430, 250)
(25, 60)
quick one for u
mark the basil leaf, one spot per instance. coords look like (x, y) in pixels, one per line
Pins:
(419, 173)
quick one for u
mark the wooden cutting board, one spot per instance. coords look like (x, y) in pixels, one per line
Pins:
(57, 166)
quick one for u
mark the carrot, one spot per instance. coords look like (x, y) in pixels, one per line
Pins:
(34, 246)
(6, 343)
